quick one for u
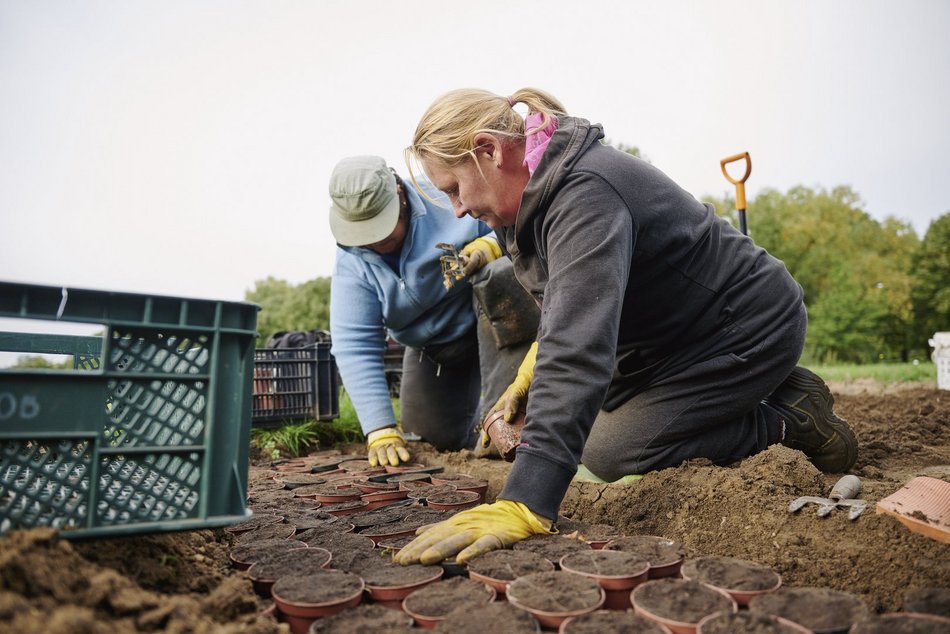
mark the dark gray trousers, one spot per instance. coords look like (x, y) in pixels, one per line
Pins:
(711, 409)
(446, 389)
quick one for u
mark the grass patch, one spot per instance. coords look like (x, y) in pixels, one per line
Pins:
(882, 372)
(294, 440)
(289, 441)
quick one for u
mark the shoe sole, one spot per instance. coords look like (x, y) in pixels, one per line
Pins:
(827, 422)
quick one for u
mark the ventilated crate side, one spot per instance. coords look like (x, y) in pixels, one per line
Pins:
(149, 432)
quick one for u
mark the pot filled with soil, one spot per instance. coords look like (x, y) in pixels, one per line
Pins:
(341, 509)
(413, 485)
(393, 545)
(553, 597)
(929, 601)
(421, 493)
(603, 621)
(552, 547)
(463, 482)
(739, 578)
(388, 585)
(679, 604)
(399, 478)
(336, 543)
(383, 499)
(292, 481)
(402, 468)
(329, 493)
(303, 598)
(617, 573)
(376, 517)
(243, 556)
(432, 603)
(359, 464)
(902, 623)
(596, 535)
(269, 568)
(500, 616)
(271, 531)
(367, 486)
(665, 555)
(254, 522)
(364, 618)
(453, 501)
(498, 568)
(748, 623)
(822, 610)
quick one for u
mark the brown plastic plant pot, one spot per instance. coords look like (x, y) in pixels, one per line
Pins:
(498, 568)
(611, 621)
(554, 597)
(745, 621)
(413, 485)
(740, 579)
(267, 571)
(453, 501)
(341, 509)
(822, 610)
(385, 534)
(665, 555)
(243, 556)
(505, 436)
(618, 573)
(365, 486)
(902, 622)
(254, 522)
(679, 604)
(430, 604)
(394, 544)
(402, 468)
(389, 592)
(302, 599)
(393, 495)
(463, 482)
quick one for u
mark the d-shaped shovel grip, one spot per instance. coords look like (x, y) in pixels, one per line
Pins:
(739, 183)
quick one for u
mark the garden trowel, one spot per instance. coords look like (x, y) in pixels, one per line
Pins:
(844, 493)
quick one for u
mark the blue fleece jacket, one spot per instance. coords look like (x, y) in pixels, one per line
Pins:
(367, 298)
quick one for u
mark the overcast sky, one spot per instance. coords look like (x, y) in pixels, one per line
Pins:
(183, 148)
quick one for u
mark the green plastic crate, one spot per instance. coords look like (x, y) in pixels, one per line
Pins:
(148, 430)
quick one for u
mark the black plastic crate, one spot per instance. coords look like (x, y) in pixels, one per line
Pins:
(294, 384)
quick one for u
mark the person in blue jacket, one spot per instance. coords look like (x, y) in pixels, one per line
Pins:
(388, 280)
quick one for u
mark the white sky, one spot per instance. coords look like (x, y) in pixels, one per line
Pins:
(184, 147)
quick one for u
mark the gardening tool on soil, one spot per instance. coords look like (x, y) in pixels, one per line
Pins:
(844, 493)
(740, 185)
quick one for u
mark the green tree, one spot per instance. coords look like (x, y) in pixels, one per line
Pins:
(854, 270)
(931, 288)
(284, 306)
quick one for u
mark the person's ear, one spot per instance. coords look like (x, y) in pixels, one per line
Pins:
(489, 147)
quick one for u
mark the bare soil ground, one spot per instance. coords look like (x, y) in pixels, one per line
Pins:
(182, 582)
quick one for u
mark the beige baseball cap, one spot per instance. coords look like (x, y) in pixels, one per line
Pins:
(365, 205)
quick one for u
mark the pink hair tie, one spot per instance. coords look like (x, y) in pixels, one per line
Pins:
(511, 102)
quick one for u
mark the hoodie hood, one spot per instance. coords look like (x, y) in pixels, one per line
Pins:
(572, 138)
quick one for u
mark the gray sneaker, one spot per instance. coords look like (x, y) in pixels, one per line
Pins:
(811, 426)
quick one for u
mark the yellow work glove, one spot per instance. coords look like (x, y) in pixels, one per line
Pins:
(386, 446)
(473, 532)
(515, 396)
(478, 253)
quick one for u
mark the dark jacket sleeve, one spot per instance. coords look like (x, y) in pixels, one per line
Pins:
(587, 239)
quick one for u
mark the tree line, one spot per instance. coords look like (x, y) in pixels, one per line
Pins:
(874, 290)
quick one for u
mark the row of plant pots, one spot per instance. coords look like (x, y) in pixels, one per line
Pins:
(656, 581)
